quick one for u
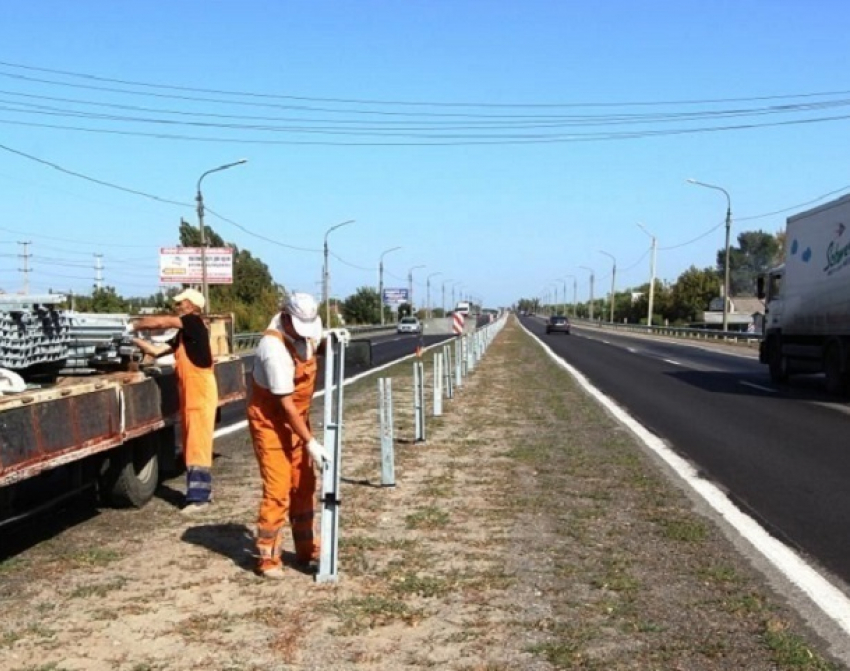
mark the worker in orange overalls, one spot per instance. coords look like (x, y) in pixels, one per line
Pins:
(284, 378)
(196, 385)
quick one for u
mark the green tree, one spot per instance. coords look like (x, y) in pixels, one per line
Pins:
(253, 298)
(691, 294)
(361, 307)
(102, 300)
(756, 253)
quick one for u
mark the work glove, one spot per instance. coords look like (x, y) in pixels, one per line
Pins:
(341, 335)
(318, 453)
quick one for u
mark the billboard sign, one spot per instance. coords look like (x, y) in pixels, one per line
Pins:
(395, 297)
(182, 265)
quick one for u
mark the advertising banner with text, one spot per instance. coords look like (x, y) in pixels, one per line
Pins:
(182, 265)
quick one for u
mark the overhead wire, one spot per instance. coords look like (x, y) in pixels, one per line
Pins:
(88, 76)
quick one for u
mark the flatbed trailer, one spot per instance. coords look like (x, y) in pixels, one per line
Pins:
(114, 432)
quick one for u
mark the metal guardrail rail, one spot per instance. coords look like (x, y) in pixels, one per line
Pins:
(245, 342)
(673, 331)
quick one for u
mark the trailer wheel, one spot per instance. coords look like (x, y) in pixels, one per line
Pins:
(776, 362)
(132, 474)
(836, 378)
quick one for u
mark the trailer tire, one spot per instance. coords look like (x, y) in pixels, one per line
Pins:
(132, 474)
(836, 378)
(776, 362)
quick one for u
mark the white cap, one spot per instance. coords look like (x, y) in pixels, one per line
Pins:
(304, 312)
(194, 296)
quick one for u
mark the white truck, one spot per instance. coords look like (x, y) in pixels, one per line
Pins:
(807, 299)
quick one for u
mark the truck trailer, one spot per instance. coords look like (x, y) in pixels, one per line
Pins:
(110, 432)
(807, 299)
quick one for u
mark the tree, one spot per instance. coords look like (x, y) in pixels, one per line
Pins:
(253, 297)
(756, 253)
(102, 300)
(362, 307)
(692, 293)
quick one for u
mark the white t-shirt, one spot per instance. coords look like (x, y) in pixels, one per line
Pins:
(274, 368)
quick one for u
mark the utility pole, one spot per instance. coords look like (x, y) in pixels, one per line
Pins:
(591, 290)
(98, 272)
(651, 275)
(26, 270)
(326, 275)
(199, 199)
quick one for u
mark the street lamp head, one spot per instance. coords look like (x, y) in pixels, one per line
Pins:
(387, 251)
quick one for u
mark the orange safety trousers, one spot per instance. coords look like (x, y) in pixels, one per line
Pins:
(198, 403)
(289, 481)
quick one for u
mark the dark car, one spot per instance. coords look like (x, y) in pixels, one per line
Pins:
(558, 324)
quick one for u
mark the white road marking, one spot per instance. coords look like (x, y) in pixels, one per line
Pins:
(831, 601)
(674, 363)
(757, 386)
(632, 350)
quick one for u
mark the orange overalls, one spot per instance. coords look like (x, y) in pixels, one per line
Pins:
(198, 403)
(289, 482)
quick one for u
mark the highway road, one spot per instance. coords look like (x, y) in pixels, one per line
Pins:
(780, 453)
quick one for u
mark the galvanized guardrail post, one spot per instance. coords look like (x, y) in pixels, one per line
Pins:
(447, 371)
(331, 472)
(458, 362)
(385, 412)
(419, 401)
(438, 384)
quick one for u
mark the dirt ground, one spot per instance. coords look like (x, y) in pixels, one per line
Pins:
(529, 531)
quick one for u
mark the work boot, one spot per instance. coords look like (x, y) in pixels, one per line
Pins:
(270, 570)
(195, 508)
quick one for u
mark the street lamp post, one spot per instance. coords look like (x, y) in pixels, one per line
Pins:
(443, 300)
(455, 284)
(381, 281)
(613, 281)
(564, 280)
(410, 285)
(199, 198)
(726, 259)
(428, 293)
(326, 274)
(591, 290)
(651, 274)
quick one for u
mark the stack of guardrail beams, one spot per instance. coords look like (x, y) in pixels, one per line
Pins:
(34, 335)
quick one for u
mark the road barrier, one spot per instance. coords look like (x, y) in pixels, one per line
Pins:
(438, 384)
(419, 400)
(331, 472)
(385, 413)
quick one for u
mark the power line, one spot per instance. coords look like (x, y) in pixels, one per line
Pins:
(441, 140)
(126, 82)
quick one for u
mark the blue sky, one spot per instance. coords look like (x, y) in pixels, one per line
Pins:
(484, 207)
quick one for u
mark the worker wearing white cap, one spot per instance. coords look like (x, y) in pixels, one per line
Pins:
(197, 389)
(284, 379)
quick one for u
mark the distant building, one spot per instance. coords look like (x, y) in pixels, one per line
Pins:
(745, 314)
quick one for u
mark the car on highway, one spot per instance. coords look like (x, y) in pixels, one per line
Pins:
(409, 325)
(558, 324)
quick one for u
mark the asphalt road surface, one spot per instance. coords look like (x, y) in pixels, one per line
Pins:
(780, 452)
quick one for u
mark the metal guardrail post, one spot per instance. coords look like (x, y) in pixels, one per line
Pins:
(447, 371)
(331, 473)
(438, 384)
(385, 412)
(419, 401)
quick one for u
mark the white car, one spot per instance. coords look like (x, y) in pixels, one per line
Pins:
(409, 325)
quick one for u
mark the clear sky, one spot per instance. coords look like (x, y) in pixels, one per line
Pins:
(500, 144)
